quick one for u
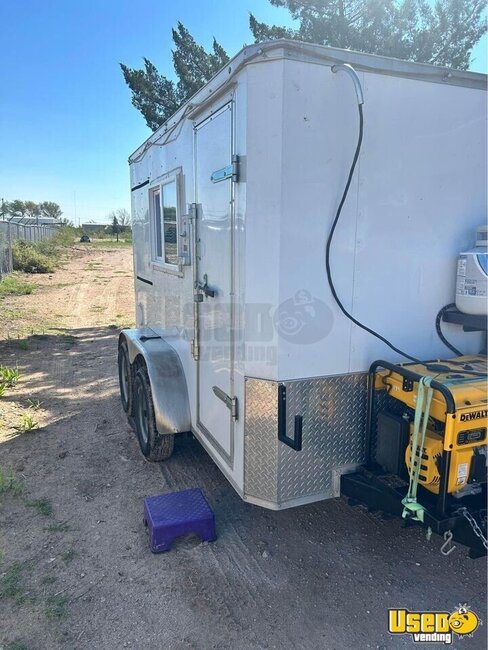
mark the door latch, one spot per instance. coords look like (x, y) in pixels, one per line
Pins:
(205, 289)
(230, 402)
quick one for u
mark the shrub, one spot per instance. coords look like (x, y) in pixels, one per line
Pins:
(51, 246)
(42, 256)
(28, 258)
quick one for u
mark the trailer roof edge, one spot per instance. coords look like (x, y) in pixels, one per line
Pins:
(320, 54)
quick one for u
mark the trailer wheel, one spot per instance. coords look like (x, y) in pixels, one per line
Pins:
(154, 446)
(125, 378)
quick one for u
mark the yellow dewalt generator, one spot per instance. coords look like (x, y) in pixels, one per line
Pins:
(427, 448)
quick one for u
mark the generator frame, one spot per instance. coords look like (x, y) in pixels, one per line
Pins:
(370, 485)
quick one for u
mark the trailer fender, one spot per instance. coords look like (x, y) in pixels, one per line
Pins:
(168, 383)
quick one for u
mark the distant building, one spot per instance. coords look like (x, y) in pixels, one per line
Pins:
(92, 228)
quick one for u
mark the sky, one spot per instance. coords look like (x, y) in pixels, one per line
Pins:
(67, 125)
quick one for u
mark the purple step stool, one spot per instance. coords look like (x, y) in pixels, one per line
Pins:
(168, 516)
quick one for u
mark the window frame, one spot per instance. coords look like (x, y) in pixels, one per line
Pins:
(159, 261)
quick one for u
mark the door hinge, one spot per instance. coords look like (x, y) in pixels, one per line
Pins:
(235, 168)
(230, 402)
(195, 350)
(192, 211)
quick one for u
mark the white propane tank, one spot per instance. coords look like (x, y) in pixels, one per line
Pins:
(472, 273)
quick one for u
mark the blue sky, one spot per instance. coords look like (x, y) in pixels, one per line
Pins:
(67, 124)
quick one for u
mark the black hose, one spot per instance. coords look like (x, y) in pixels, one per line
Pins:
(439, 331)
(329, 242)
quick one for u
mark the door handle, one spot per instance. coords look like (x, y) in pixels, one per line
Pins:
(203, 286)
(295, 442)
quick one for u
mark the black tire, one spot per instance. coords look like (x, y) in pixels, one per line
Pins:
(125, 378)
(154, 446)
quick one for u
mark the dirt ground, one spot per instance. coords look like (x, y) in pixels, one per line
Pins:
(75, 567)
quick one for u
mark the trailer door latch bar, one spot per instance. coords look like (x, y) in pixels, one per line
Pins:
(295, 442)
(230, 402)
(231, 171)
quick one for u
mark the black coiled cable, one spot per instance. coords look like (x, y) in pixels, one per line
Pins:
(440, 333)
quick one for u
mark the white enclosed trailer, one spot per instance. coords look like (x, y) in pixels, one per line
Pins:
(238, 337)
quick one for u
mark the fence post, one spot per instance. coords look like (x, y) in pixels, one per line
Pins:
(10, 251)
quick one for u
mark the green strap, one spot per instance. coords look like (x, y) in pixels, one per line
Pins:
(412, 509)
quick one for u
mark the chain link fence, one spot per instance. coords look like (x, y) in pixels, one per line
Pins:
(10, 232)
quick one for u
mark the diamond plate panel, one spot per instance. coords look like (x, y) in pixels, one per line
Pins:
(261, 440)
(334, 425)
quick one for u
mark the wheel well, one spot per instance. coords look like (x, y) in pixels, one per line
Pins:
(138, 361)
(122, 339)
(167, 378)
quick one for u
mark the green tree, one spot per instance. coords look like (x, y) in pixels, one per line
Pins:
(50, 209)
(115, 228)
(30, 209)
(158, 97)
(15, 208)
(443, 33)
(18, 208)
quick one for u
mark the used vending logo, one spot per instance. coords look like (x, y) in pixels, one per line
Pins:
(303, 319)
(433, 627)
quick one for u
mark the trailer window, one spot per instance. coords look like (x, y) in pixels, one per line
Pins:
(156, 210)
(170, 223)
(164, 209)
